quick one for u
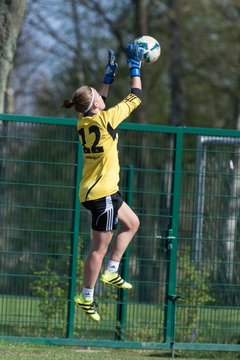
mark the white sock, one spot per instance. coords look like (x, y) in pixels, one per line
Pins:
(88, 293)
(113, 266)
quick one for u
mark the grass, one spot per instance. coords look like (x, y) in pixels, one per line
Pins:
(16, 351)
(20, 316)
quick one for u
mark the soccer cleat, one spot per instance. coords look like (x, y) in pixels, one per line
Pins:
(88, 306)
(113, 278)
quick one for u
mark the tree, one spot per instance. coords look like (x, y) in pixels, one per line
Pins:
(175, 55)
(195, 82)
(11, 17)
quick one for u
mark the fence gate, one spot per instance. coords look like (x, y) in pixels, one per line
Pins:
(183, 262)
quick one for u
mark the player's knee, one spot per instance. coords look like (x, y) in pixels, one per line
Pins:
(130, 223)
(98, 255)
(136, 224)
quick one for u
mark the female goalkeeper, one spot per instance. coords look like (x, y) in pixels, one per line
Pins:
(99, 191)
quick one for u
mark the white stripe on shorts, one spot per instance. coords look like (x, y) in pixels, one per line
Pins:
(109, 211)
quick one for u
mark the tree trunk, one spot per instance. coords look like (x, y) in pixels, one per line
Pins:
(11, 16)
(232, 222)
(141, 29)
(175, 64)
(175, 112)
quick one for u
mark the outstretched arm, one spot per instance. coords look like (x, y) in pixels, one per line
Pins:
(109, 74)
(134, 61)
(103, 90)
(136, 82)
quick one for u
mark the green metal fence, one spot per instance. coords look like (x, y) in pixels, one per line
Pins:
(184, 262)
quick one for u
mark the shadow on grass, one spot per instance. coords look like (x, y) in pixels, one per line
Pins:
(194, 355)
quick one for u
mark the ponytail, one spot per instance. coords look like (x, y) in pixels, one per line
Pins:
(67, 103)
(82, 100)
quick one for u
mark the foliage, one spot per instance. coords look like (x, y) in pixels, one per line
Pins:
(193, 285)
(51, 289)
(46, 287)
(198, 70)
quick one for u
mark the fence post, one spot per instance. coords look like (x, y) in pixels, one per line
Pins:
(121, 309)
(74, 244)
(172, 241)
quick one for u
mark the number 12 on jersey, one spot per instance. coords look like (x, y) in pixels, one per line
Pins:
(84, 133)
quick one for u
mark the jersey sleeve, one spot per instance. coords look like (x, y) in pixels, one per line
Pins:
(115, 115)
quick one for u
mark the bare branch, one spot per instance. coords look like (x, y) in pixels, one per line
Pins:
(50, 31)
(114, 26)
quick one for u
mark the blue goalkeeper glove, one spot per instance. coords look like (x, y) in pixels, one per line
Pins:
(134, 59)
(111, 68)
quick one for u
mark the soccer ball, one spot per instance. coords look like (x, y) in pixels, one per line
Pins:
(151, 46)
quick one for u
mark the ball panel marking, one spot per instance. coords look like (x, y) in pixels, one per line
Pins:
(151, 46)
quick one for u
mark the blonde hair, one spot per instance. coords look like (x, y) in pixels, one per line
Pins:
(82, 100)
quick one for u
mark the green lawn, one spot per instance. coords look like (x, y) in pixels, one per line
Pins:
(145, 323)
(21, 351)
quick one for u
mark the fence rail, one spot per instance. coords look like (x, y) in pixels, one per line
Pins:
(184, 262)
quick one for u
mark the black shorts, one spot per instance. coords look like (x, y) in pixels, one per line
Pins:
(104, 212)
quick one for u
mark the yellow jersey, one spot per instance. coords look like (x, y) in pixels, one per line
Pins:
(99, 138)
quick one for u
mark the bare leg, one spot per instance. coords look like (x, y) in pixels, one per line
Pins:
(101, 241)
(130, 224)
